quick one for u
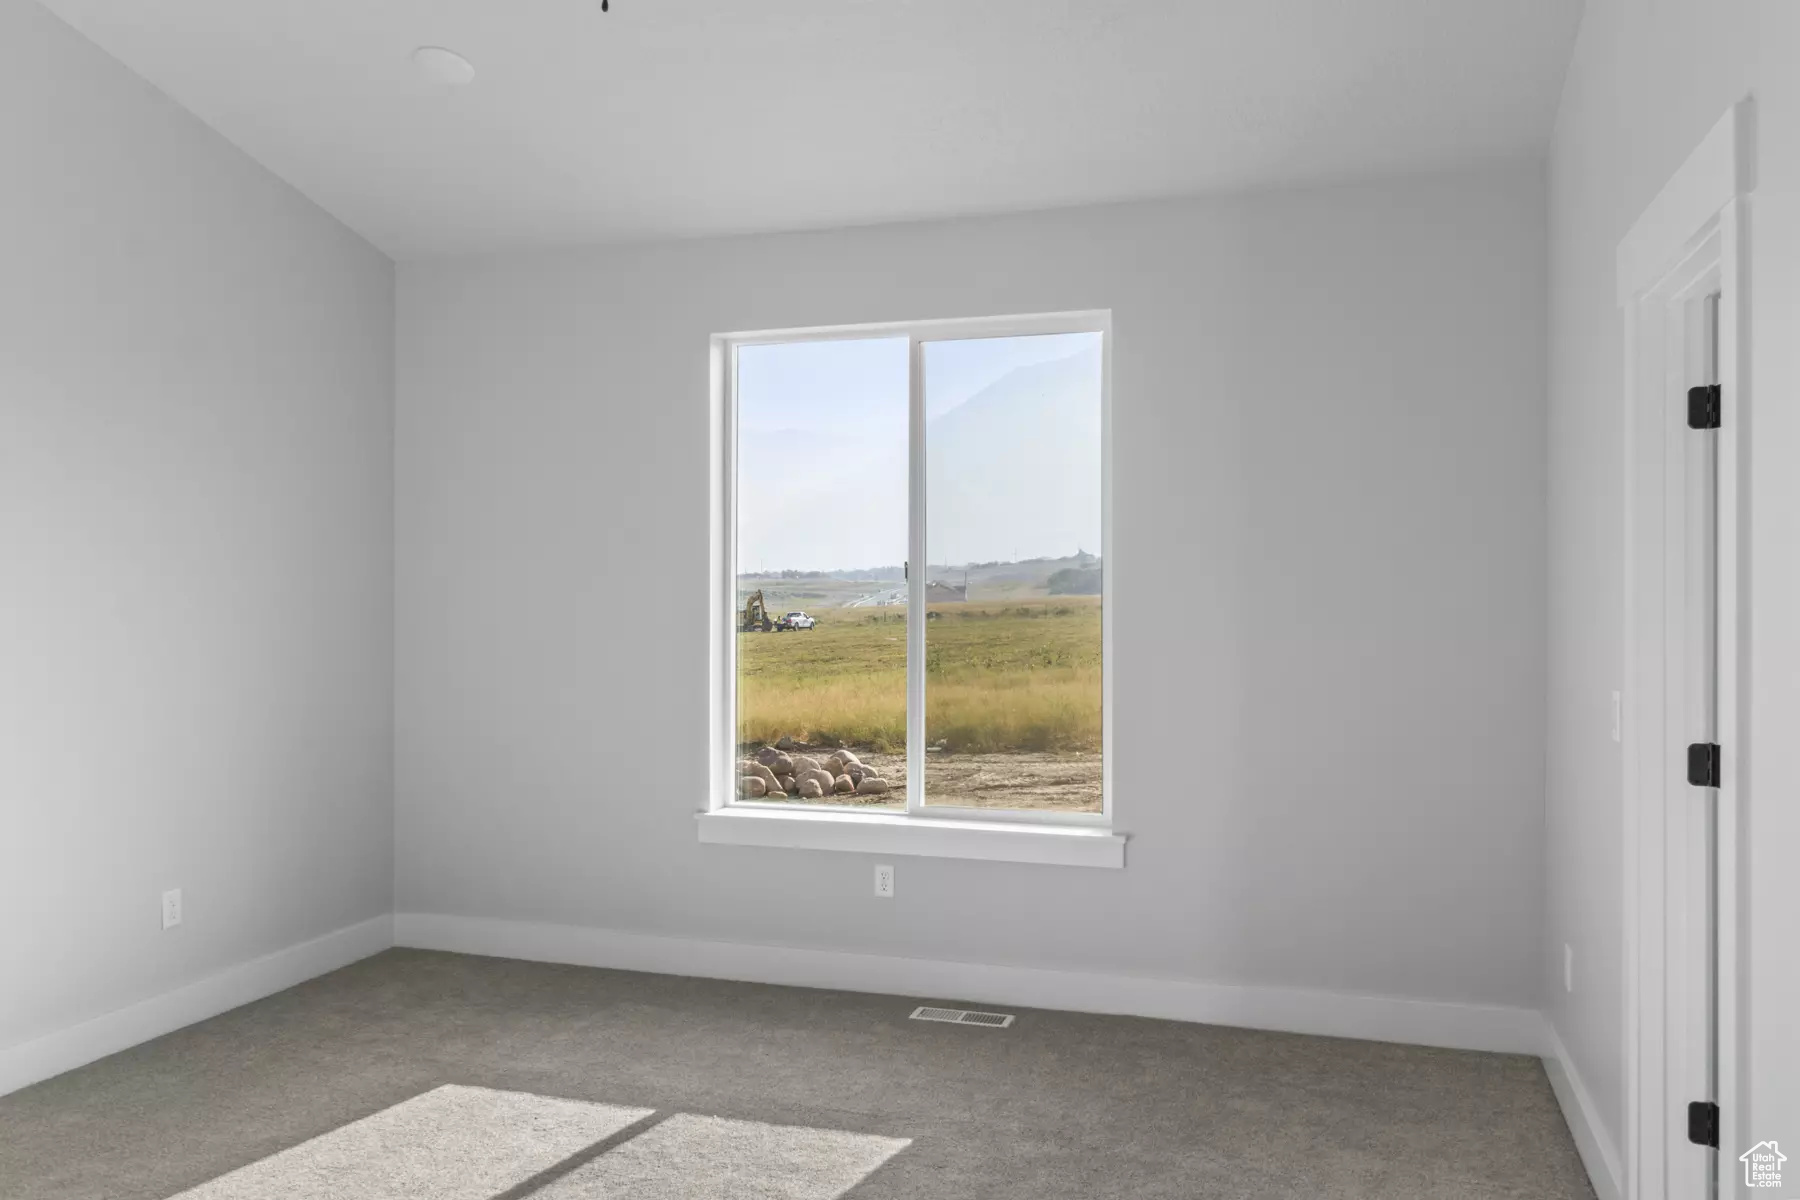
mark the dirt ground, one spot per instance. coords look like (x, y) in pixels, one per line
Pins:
(1052, 782)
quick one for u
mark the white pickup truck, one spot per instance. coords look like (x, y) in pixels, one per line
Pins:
(794, 620)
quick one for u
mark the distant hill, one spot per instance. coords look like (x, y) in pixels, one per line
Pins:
(1077, 581)
(1033, 579)
(1020, 580)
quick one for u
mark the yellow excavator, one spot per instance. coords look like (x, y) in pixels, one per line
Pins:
(756, 615)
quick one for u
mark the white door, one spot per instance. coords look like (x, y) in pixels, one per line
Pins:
(1691, 794)
(1681, 714)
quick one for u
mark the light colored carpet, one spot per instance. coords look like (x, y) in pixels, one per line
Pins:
(701, 1158)
(452, 1143)
(809, 1086)
(466, 1143)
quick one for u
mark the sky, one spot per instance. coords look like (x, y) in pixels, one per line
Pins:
(822, 451)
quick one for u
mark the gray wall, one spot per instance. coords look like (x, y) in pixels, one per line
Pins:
(1330, 570)
(1646, 84)
(196, 370)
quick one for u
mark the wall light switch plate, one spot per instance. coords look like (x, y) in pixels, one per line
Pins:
(884, 881)
(171, 908)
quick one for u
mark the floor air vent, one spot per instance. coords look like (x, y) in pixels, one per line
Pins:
(962, 1016)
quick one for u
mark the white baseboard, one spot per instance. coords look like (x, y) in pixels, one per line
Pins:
(66, 1049)
(1292, 1010)
(1598, 1154)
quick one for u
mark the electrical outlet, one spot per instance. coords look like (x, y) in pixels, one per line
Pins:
(1568, 967)
(171, 908)
(884, 881)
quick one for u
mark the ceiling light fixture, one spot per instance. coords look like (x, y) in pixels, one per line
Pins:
(443, 66)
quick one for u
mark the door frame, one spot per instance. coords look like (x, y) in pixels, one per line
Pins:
(1693, 238)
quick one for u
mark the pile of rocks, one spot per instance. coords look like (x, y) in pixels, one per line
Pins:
(777, 774)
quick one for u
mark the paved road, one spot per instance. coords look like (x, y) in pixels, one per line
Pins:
(880, 599)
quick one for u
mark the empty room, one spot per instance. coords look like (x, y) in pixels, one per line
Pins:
(899, 599)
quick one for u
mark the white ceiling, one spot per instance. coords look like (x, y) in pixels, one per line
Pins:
(674, 118)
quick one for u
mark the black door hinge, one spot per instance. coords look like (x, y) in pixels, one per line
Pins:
(1703, 1123)
(1703, 407)
(1703, 764)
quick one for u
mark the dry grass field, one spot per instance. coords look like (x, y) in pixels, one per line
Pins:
(1012, 695)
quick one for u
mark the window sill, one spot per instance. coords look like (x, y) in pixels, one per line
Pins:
(933, 837)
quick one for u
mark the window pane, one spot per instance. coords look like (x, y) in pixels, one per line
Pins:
(1013, 534)
(821, 548)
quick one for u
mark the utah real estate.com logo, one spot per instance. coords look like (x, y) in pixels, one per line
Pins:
(1762, 1165)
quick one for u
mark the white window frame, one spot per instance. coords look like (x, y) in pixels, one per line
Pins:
(1076, 839)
